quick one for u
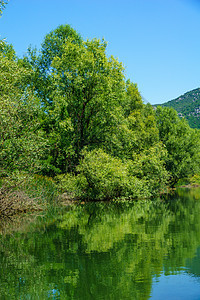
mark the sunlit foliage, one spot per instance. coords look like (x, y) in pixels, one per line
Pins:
(68, 111)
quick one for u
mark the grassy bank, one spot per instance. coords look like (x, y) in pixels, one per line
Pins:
(22, 193)
(25, 193)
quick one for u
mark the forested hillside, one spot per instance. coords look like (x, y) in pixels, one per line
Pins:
(69, 114)
(187, 106)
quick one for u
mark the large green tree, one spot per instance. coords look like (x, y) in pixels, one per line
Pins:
(89, 86)
(80, 90)
(41, 63)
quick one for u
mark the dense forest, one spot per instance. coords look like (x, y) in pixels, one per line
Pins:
(187, 106)
(70, 117)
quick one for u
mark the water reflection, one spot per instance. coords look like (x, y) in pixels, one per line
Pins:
(105, 251)
(193, 265)
(175, 287)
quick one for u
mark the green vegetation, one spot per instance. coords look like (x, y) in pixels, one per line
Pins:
(68, 113)
(187, 106)
(182, 144)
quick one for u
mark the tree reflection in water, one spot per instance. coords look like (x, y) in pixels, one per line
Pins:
(102, 250)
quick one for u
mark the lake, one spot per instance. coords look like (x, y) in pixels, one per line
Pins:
(112, 250)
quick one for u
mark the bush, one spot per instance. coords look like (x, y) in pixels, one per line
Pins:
(102, 176)
(67, 183)
(195, 180)
(150, 166)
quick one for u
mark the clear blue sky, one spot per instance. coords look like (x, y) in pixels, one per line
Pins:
(157, 40)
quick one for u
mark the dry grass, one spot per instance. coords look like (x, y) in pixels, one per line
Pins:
(15, 201)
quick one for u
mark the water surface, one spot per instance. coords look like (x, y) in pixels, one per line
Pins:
(116, 250)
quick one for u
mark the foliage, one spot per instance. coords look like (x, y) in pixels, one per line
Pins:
(22, 142)
(150, 166)
(181, 142)
(41, 63)
(67, 111)
(67, 183)
(104, 177)
(2, 5)
(143, 128)
(52, 46)
(87, 95)
(7, 50)
(187, 106)
(195, 180)
(101, 176)
(22, 192)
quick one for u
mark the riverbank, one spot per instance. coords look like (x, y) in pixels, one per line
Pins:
(189, 186)
(26, 194)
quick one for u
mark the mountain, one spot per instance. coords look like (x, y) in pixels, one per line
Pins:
(187, 106)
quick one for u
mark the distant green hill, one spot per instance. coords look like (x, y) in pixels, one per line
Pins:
(187, 106)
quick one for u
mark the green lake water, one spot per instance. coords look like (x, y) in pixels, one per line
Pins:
(115, 250)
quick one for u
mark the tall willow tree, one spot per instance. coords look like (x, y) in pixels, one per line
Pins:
(41, 63)
(89, 89)
(80, 90)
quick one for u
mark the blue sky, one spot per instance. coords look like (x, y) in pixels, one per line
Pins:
(157, 40)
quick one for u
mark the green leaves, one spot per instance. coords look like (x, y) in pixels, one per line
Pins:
(21, 140)
(182, 144)
(69, 110)
(87, 83)
(107, 177)
(2, 5)
(53, 45)
(81, 91)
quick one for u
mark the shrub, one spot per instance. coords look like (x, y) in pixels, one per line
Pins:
(195, 180)
(102, 176)
(67, 183)
(150, 166)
